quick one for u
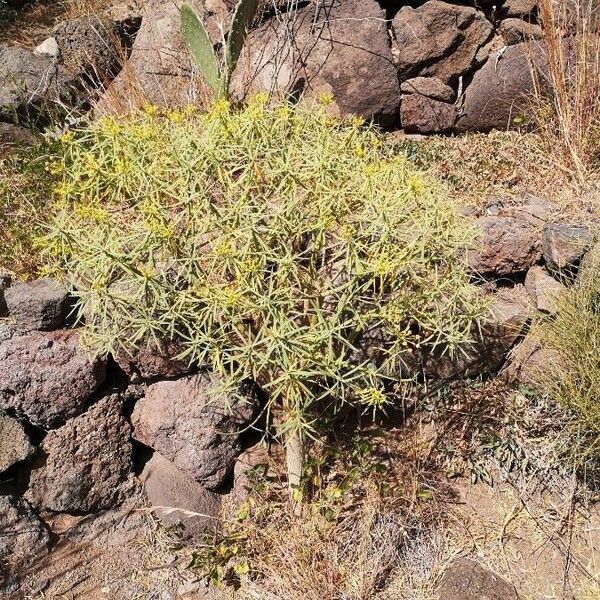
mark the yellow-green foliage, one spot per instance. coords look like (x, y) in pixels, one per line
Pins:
(572, 341)
(269, 241)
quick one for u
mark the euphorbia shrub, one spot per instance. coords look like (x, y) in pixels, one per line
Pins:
(271, 241)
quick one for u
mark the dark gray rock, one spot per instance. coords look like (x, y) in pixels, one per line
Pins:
(191, 423)
(499, 96)
(89, 46)
(46, 377)
(166, 486)
(41, 305)
(330, 54)
(14, 442)
(465, 579)
(420, 114)
(88, 462)
(506, 245)
(564, 246)
(438, 39)
(24, 540)
(29, 83)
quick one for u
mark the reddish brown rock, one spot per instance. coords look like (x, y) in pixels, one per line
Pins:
(515, 31)
(24, 540)
(432, 87)
(46, 377)
(330, 55)
(88, 462)
(14, 442)
(148, 363)
(438, 39)
(194, 425)
(465, 579)
(174, 496)
(506, 245)
(420, 114)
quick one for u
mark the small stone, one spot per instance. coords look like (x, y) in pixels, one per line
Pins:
(543, 289)
(531, 363)
(507, 245)
(465, 579)
(14, 442)
(564, 246)
(166, 486)
(194, 425)
(432, 87)
(41, 305)
(49, 47)
(420, 114)
(88, 462)
(23, 540)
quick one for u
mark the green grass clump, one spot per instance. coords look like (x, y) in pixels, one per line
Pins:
(270, 242)
(27, 180)
(572, 341)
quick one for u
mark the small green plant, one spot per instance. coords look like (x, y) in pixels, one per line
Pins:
(198, 41)
(275, 244)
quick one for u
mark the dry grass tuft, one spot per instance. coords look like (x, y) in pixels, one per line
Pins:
(570, 123)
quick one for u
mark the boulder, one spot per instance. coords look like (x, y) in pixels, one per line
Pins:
(194, 425)
(41, 305)
(89, 47)
(500, 93)
(46, 377)
(543, 289)
(508, 316)
(14, 442)
(432, 87)
(420, 114)
(515, 31)
(160, 68)
(330, 55)
(24, 540)
(438, 39)
(564, 246)
(506, 245)
(173, 495)
(88, 462)
(30, 83)
(465, 579)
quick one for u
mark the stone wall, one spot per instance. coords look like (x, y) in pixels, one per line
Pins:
(427, 67)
